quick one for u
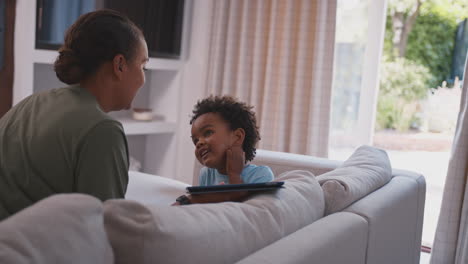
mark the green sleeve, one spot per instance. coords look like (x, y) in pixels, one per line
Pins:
(102, 166)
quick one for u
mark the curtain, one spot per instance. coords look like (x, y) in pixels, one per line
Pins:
(451, 239)
(7, 27)
(277, 55)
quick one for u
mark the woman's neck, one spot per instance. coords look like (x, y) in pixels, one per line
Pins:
(99, 88)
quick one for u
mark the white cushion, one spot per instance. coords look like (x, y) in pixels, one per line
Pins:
(152, 189)
(212, 233)
(366, 170)
(64, 228)
(281, 162)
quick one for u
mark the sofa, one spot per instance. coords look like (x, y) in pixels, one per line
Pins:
(383, 227)
(302, 223)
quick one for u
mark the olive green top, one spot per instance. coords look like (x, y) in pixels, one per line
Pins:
(60, 141)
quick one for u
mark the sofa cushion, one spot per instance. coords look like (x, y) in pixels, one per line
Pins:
(152, 189)
(212, 233)
(64, 228)
(366, 170)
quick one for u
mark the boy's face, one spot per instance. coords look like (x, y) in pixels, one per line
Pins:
(211, 136)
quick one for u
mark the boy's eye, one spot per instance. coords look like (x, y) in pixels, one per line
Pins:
(195, 141)
(208, 133)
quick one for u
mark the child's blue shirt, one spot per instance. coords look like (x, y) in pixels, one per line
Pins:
(250, 174)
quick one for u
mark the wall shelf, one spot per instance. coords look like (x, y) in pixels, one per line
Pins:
(135, 127)
(164, 64)
(44, 56)
(49, 56)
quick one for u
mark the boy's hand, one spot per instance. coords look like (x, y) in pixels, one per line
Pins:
(235, 160)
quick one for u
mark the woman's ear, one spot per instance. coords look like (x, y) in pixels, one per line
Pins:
(239, 136)
(119, 64)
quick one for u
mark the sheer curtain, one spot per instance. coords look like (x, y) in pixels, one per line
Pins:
(451, 239)
(277, 55)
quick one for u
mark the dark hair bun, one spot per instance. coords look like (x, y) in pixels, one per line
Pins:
(67, 67)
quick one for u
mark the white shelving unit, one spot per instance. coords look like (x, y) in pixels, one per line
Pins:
(134, 127)
(49, 56)
(44, 56)
(153, 143)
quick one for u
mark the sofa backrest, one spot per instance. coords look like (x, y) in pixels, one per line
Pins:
(211, 233)
(63, 228)
(281, 162)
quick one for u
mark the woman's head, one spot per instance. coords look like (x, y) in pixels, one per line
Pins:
(95, 38)
(104, 37)
(217, 122)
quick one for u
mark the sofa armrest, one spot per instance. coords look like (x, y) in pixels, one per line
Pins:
(335, 239)
(280, 162)
(395, 214)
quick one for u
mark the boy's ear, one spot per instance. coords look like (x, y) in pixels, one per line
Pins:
(239, 136)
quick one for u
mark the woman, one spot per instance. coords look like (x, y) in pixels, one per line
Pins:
(63, 140)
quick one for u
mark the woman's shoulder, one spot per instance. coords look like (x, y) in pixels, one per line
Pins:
(78, 112)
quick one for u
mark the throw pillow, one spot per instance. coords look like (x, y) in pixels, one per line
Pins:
(366, 170)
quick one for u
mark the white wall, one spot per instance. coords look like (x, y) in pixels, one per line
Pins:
(193, 86)
(24, 46)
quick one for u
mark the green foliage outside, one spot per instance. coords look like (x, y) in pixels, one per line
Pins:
(431, 43)
(402, 84)
(388, 50)
(427, 63)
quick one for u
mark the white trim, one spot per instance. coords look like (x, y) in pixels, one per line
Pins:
(134, 127)
(193, 83)
(44, 56)
(164, 64)
(25, 34)
(370, 73)
(49, 56)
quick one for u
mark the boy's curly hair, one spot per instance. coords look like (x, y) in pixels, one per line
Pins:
(236, 114)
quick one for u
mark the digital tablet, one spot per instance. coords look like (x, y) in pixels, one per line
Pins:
(264, 186)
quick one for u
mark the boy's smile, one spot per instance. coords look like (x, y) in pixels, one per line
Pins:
(211, 136)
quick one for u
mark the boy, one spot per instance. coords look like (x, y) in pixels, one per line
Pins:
(224, 132)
